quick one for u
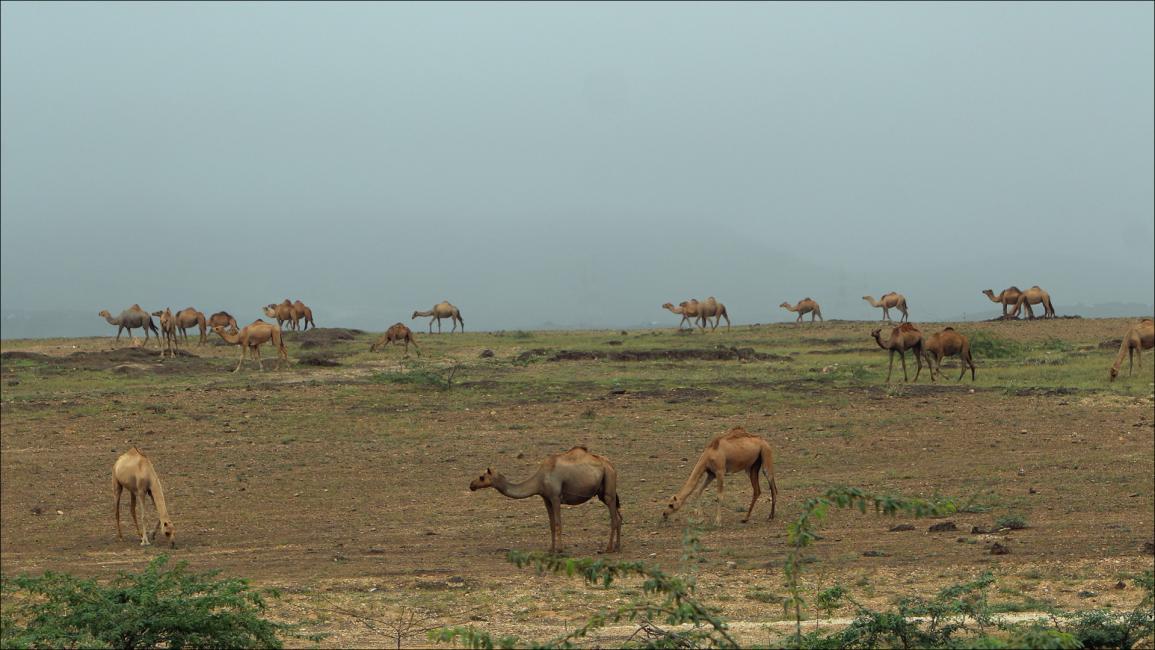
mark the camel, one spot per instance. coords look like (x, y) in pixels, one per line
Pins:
(168, 330)
(303, 314)
(397, 333)
(224, 319)
(1139, 337)
(282, 312)
(442, 310)
(804, 306)
(887, 302)
(1034, 296)
(1007, 297)
(190, 317)
(948, 343)
(687, 309)
(902, 338)
(571, 478)
(134, 471)
(711, 308)
(130, 319)
(252, 337)
(737, 450)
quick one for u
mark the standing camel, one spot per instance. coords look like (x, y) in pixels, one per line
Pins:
(1007, 297)
(302, 314)
(687, 309)
(167, 330)
(902, 338)
(282, 312)
(397, 333)
(224, 319)
(134, 471)
(130, 319)
(711, 308)
(804, 306)
(1034, 296)
(190, 317)
(737, 450)
(887, 302)
(252, 337)
(948, 343)
(1139, 337)
(571, 478)
(442, 310)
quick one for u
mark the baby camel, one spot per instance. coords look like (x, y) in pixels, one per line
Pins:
(737, 450)
(134, 471)
(902, 338)
(397, 333)
(1139, 337)
(948, 343)
(804, 306)
(252, 337)
(571, 478)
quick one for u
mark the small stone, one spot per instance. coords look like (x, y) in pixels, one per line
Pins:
(980, 530)
(875, 554)
(617, 390)
(1022, 472)
(1032, 491)
(901, 527)
(1120, 585)
(376, 550)
(1148, 548)
(1087, 594)
(457, 580)
(59, 512)
(521, 454)
(999, 549)
(486, 354)
(731, 564)
(943, 527)
(37, 510)
(1022, 430)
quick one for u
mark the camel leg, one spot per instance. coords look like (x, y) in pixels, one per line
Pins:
(555, 511)
(754, 469)
(1131, 360)
(718, 505)
(891, 368)
(119, 490)
(902, 356)
(438, 324)
(242, 359)
(139, 523)
(257, 353)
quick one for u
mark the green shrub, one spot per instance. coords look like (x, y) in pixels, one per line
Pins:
(1014, 522)
(988, 346)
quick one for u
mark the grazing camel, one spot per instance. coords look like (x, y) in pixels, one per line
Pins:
(737, 450)
(948, 343)
(397, 333)
(190, 317)
(902, 338)
(1007, 297)
(224, 319)
(571, 478)
(134, 471)
(302, 314)
(1034, 296)
(252, 337)
(130, 319)
(711, 308)
(1139, 337)
(167, 330)
(442, 310)
(804, 306)
(887, 302)
(282, 312)
(687, 309)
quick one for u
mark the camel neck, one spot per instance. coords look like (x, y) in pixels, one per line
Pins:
(158, 497)
(525, 489)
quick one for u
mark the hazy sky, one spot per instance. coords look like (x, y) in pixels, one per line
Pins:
(576, 164)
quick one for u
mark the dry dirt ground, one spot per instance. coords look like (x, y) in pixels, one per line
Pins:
(344, 479)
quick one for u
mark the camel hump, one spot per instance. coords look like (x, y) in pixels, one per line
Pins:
(1013, 288)
(807, 298)
(581, 447)
(907, 327)
(948, 329)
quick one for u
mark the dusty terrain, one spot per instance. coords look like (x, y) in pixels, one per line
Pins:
(344, 480)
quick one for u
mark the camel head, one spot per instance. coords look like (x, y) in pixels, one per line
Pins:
(673, 506)
(415, 315)
(667, 305)
(483, 481)
(1114, 373)
(877, 333)
(270, 311)
(785, 305)
(104, 314)
(989, 294)
(165, 527)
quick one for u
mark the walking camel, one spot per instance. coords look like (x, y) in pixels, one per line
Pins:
(1034, 296)
(687, 309)
(902, 338)
(130, 319)
(252, 337)
(572, 479)
(167, 330)
(133, 471)
(711, 308)
(397, 333)
(804, 306)
(442, 310)
(1007, 297)
(948, 343)
(737, 450)
(888, 302)
(282, 312)
(302, 314)
(1139, 337)
(224, 319)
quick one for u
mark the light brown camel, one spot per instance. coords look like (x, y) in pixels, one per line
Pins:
(252, 337)
(224, 319)
(711, 308)
(888, 302)
(948, 343)
(1007, 297)
(303, 315)
(134, 471)
(571, 478)
(687, 309)
(442, 310)
(130, 319)
(282, 312)
(190, 317)
(397, 333)
(804, 306)
(1034, 296)
(902, 338)
(1139, 337)
(737, 450)
(167, 330)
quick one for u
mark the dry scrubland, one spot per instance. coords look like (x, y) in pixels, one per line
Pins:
(344, 480)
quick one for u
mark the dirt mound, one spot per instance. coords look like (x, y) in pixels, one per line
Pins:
(321, 336)
(715, 354)
(27, 356)
(318, 360)
(120, 360)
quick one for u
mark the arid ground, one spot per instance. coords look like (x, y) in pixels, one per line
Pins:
(344, 479)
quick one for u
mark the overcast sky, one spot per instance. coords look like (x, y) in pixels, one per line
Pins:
(573, 164)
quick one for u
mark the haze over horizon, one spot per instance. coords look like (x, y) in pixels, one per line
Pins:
(572, 164)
